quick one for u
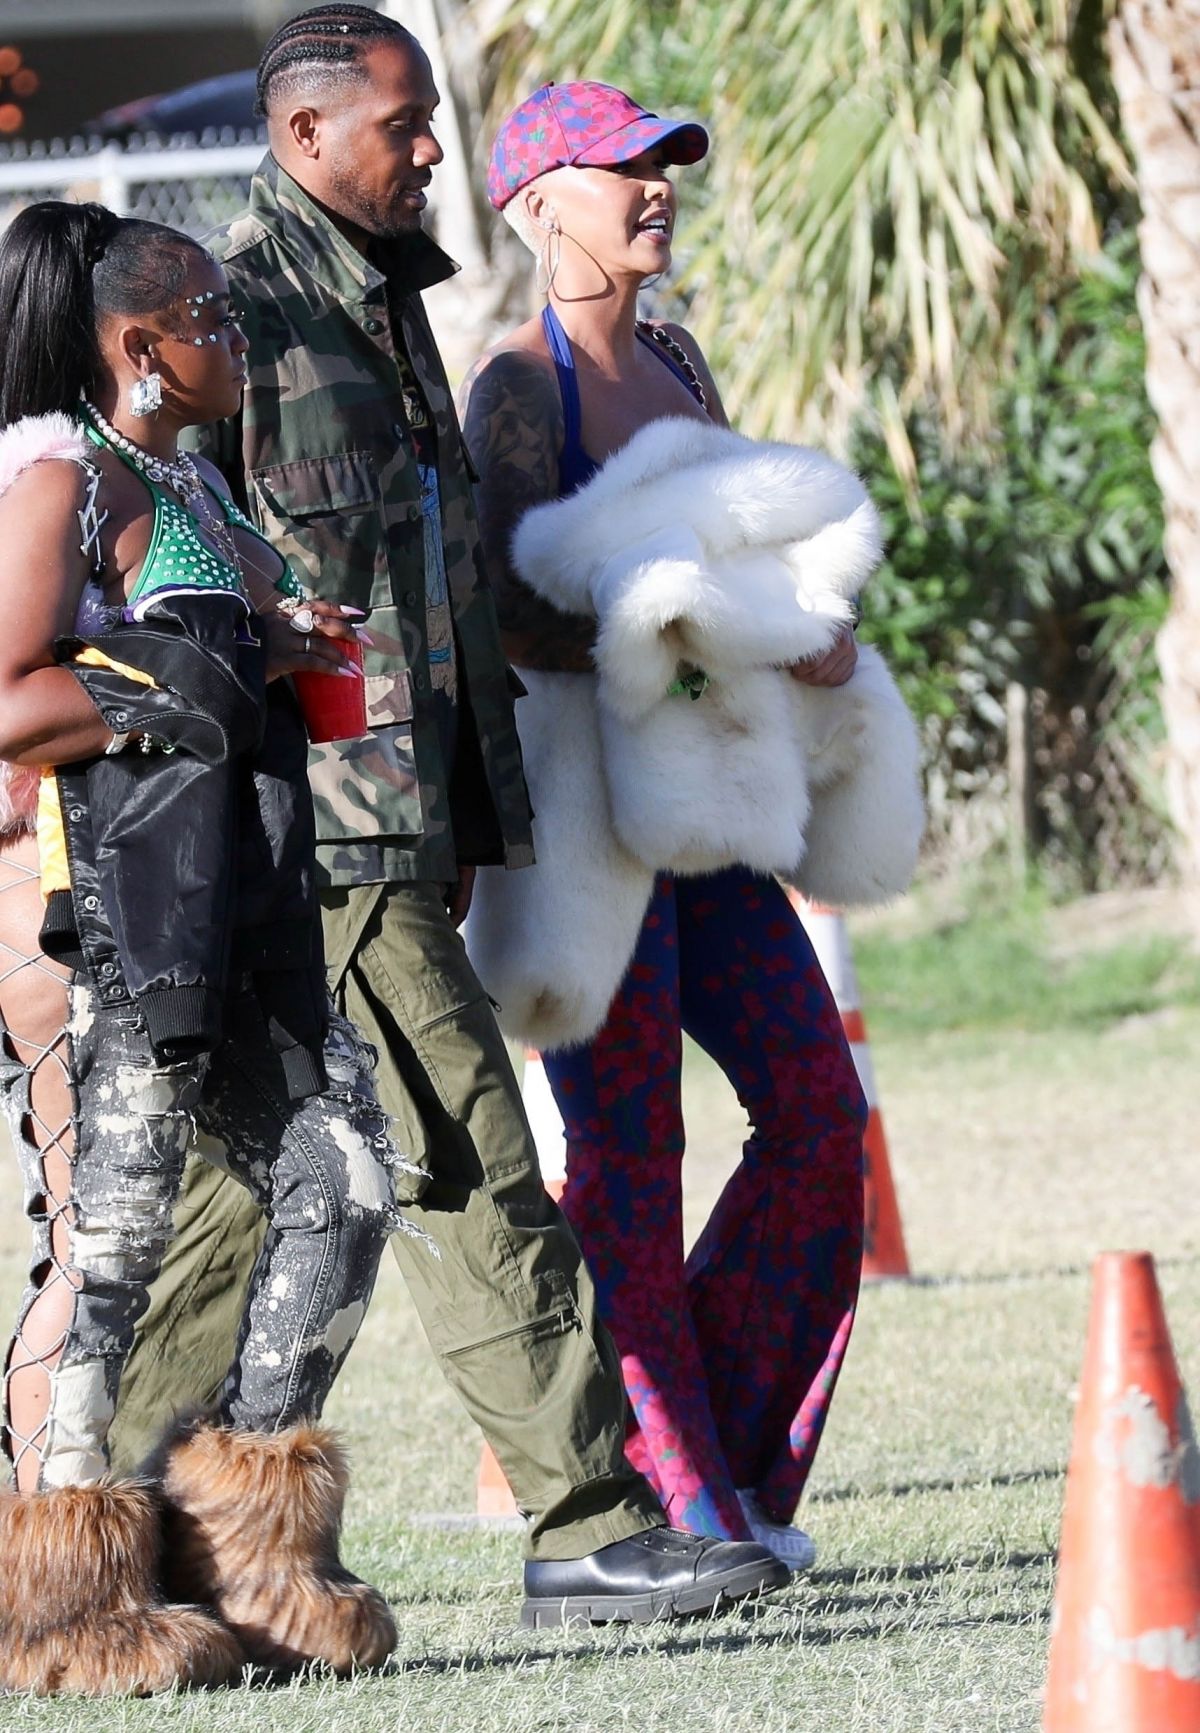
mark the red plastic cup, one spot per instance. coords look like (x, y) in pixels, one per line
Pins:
(334, 705)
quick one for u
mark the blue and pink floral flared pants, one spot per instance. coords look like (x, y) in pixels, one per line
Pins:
(730, 1356)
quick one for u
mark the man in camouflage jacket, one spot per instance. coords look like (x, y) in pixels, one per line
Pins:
(347, 453)
(341, 357)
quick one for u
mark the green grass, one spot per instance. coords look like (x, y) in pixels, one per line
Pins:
(985, 965)
(1019, 1151)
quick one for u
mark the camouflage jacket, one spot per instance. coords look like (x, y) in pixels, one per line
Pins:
(322, 459)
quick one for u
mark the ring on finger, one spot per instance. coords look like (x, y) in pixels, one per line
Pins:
(303, 620)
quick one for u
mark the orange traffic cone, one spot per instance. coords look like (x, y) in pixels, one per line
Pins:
(884, 1252)
(493, 1495)
(1125, 1644)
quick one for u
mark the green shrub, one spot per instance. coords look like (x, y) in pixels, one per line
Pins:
(1036, 558)
(991, 966)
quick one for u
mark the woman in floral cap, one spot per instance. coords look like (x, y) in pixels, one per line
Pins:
(731, 1356)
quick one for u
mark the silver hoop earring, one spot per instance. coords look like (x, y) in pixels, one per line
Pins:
(548, 261)
(145, 395)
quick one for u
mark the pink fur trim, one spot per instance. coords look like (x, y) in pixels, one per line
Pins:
(35, 438)
(26, 442)
(18, 800)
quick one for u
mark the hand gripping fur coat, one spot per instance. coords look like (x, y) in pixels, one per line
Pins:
(693, 546)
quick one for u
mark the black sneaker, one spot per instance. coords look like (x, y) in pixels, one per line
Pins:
(661, 1573)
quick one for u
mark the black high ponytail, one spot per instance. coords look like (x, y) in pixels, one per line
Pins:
(61, 266)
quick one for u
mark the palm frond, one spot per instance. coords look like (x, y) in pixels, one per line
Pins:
(886, 177)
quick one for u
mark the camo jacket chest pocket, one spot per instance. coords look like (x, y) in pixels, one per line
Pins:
(326, 515)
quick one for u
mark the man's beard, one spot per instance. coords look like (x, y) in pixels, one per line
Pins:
(382, 219)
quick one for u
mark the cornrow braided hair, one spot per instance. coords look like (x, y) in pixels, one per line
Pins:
(330, 37)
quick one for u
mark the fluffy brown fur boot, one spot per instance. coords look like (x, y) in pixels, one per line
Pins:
(80, 1609)
(251, 1529)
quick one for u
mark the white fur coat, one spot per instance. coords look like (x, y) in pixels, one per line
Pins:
(695, 546)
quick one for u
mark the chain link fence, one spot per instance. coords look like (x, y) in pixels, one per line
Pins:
(1099, 769)
(196, 184)
(1075, 785)
(190, 184)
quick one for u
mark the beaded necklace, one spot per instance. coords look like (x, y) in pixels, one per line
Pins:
(179, 474)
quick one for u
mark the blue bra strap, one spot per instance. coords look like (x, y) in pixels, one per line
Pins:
(575, 466)
(564, 365)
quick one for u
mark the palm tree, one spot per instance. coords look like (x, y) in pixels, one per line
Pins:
(895, 184)
(890, 177)
(1155, 48)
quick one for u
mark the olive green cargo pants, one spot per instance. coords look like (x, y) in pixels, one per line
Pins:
(509, 1308)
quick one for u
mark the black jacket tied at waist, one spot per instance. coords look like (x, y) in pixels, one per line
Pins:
(192, 869)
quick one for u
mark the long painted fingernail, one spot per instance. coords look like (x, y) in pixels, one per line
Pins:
(350, 669)
(363, 636)
(345, 608)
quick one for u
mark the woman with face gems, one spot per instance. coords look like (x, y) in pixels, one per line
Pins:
(731, 1356)
(178, 987)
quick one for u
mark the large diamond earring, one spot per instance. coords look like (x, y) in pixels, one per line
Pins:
(145, 395)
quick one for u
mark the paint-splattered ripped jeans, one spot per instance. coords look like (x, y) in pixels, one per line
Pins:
(320, 1169)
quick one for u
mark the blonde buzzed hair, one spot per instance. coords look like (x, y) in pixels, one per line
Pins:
(516, 215)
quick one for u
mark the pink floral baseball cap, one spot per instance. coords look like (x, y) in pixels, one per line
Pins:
(582, 125)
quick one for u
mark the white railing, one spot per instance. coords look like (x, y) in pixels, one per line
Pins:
(190, 185)
(197, 186)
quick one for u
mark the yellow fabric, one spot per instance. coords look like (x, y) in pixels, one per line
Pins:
(53, 866)
(89, 658)
(51, 842)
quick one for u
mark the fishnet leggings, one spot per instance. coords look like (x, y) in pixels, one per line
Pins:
(37, 1098)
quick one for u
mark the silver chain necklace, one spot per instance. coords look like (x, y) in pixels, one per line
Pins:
(179, 474)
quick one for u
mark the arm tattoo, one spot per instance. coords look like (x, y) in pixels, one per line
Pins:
(513, 427)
